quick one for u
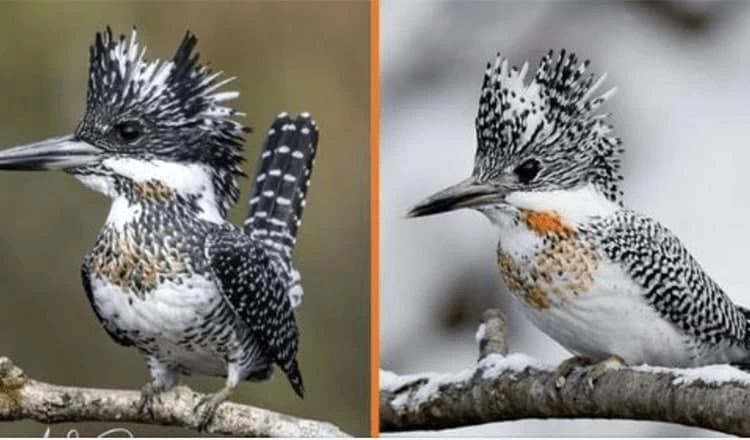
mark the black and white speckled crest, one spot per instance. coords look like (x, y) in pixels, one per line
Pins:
(550, 120)
(175, 105)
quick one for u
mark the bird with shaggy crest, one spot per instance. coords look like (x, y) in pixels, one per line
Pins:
(169, 275)
(609, 284)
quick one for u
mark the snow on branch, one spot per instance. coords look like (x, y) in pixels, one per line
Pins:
(513, 387)
(23, 398)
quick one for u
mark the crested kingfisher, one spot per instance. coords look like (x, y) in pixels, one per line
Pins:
(168, 274)
(605, 282)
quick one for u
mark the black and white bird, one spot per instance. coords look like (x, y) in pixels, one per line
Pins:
(169, 275)
(602, 280)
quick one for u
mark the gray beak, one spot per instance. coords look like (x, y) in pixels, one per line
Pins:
(52, 154)
(468, 193)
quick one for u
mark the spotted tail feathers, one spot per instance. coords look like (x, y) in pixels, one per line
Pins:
(281, 181)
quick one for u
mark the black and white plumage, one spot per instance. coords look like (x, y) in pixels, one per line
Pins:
(281, 183)
(551, 121)
(169, 275)
(598, 278)
(674, 283)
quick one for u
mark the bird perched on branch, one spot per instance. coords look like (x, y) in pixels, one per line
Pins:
(169, 275)
(603, 281)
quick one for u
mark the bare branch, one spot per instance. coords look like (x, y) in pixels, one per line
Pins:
(491, 335)
(23, 398)
(514, 387)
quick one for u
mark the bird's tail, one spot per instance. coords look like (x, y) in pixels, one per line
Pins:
(282, 181)
(295, 378)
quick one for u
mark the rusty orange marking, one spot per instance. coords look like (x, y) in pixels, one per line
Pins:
(548, 222)
(537, 298)
(129, 264)
(518, 285)
(154, 190)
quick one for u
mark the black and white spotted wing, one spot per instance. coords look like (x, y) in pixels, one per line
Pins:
(674, 283)
(282, 180)
(257, 292)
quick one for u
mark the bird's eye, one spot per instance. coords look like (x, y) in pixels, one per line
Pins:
(129, 131)
(528, 170)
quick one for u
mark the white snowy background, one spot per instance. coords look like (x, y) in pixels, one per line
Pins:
(682, 72)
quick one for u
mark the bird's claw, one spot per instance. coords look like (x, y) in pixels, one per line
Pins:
(595, 370)
(149, 395)
(598, 370)
(567, 367)
(210, 403)
(204, 416)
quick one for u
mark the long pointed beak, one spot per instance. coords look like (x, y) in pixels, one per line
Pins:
(52, 154)
(468, 193)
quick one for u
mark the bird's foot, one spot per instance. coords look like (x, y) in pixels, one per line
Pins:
(567, 367)
(595, 370)
(149, 394)
(613, 362)
(210, 402)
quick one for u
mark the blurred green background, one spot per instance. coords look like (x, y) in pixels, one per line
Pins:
(294, 56)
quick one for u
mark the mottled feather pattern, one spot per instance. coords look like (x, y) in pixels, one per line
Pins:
(164, 242)
(114, 333)
(673, 281)
(282, 181)
(258, 295)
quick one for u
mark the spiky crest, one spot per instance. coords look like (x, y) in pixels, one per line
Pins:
(179, 100)
(549, 117)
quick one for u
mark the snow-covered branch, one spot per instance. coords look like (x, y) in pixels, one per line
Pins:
(512, 387)
(24, 398)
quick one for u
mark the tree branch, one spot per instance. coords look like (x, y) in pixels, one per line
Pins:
(514, 387)
(24, 398)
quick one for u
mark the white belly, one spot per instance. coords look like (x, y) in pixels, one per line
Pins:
(165, 315)
(613, 318)
(167, 310)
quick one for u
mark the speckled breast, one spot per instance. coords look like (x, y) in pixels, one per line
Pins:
(554, 266)
(138, 256)
(134, 265)
(150, 286)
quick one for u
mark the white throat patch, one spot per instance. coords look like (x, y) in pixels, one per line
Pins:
(575, 206)
(187, 180)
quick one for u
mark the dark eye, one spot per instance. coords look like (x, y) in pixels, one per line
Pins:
(528, 170)
(129, 131)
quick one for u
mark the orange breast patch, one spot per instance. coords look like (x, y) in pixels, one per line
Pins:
(546, 222)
